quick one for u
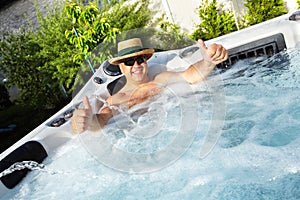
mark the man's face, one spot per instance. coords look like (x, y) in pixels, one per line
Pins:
(135, 69)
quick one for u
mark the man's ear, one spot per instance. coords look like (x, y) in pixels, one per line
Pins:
(121, 66)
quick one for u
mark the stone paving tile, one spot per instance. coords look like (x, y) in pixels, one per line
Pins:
(12, 15)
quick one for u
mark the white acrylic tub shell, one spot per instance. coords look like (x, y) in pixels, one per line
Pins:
(52, 137)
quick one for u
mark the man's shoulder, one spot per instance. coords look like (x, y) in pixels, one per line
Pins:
(118, 95)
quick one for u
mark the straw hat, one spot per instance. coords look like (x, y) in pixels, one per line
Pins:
(131, 48)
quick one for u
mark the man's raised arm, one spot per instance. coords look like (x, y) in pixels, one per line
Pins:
(213, 55)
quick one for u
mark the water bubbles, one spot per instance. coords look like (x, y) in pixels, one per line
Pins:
(148, 136)
(31, 165)
(257, 156)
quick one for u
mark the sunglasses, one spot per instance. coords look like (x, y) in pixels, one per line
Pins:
(131, 61)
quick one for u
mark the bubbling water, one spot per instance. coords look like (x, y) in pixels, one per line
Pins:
(161, 135)
(256, 157)
(31, 165)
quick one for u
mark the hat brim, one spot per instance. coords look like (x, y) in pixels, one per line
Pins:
(147, 52)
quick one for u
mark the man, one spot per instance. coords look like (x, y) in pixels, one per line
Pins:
(132, 61)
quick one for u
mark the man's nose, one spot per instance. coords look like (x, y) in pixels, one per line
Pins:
(136, 64)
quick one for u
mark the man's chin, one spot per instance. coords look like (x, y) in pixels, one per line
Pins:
(138, 78)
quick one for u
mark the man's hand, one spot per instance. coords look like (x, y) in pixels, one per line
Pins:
(216, 52)
(82, 118)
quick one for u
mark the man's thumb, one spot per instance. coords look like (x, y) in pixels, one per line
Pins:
(86, 103)
(202, 44)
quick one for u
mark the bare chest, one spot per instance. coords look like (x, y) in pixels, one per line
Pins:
(136, 96)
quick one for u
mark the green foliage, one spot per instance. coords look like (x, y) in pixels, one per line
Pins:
(89, 29)
(170, 36)
(40, 62)
(214, 21)
(298, 2)
(127, 16)
(56, 51)
(262, 10)
(19, 63)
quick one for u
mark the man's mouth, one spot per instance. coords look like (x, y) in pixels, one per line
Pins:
(137, 72)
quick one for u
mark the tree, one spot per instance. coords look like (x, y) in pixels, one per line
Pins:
(20, 65)
(56, 51)
(262, 10)
(126, 16)
(39, 61)
(170, 36)
(93, 25)
(89, 28)
(298, 2)
(214, 21)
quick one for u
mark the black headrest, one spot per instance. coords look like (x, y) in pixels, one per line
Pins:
(110, 69)
(116, 85)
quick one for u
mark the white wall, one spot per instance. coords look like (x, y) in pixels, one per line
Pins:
(184, 12)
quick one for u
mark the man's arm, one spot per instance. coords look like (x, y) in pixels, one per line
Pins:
(197, 72)
(213, 55)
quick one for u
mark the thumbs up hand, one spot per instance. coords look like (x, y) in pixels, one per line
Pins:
(82, 118)
(216, 52)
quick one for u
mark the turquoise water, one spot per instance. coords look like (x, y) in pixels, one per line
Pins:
(256, 157)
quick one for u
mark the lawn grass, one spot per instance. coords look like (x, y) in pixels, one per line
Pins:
(25, 118)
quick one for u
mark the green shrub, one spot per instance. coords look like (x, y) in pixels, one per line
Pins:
(89, 29)
(263, 10)
(19, 63)
(126, 16)
(214, 21)
(40, 62)
(170, 36)
(56, 51)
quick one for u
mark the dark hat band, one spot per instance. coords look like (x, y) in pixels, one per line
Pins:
(130, 50)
